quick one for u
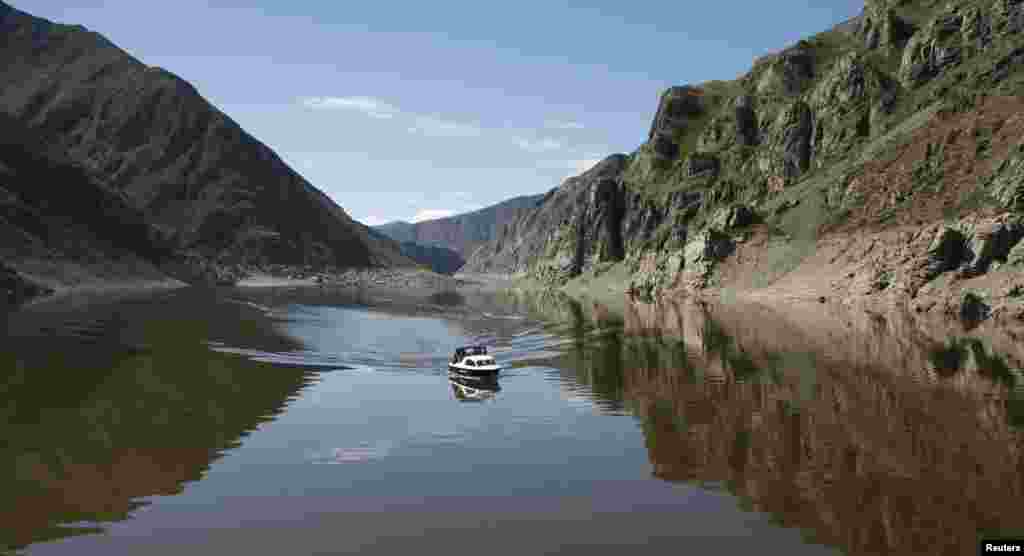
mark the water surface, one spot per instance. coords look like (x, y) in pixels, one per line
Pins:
(210, 422)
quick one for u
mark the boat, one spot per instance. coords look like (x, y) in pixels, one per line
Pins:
(473, 389)
(473, 360)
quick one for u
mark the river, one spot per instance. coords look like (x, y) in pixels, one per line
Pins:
(229, 421)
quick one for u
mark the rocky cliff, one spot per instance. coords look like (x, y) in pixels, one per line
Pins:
(202, 186)
(835, 167)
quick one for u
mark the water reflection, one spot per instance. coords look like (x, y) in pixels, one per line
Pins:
(472, 388)
(89, 431)
(867, 432)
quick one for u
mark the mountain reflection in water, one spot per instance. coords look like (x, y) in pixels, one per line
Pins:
(866, 432)
(90, 430)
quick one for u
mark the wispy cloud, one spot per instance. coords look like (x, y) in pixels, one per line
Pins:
(544, 144)
(562, 124)
(370, 106)
(431, 214)
(434, 125)
(439, 127)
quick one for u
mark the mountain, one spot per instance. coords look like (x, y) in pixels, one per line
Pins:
(879, 160)
(57, 222)
(203, 186)
(441, 260)
(462, 232)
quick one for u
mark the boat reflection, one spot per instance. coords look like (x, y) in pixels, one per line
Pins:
(469, 388)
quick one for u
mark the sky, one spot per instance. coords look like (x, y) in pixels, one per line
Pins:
(415, 110)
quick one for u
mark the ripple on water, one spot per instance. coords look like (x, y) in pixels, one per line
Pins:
(323, 362)
(363, 452)
(504, 317)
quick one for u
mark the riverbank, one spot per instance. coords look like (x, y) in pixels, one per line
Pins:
(31, 282)
(402, 290)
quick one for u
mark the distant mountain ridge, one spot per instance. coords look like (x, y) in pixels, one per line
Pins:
(445, 243)
(464, 232)
(209, 190)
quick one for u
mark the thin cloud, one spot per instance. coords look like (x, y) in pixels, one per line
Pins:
(438, 127)
(544, 144)
(562, 124)
(369, 106)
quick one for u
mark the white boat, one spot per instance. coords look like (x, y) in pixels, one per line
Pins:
(473, 360)
(473, 389)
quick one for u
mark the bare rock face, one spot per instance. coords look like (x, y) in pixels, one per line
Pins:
(733, 218)
(882, 28)
(788, 73)
(702, 165)
(1009, 16)
(797, 125)
(973, 308)
(578, 225)
(947, 251)
(938, 47)
(845, 102)
(746, 121)
(992, 241)
(678, 105)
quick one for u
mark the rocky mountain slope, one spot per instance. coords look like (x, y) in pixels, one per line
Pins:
(441, 260)
(211, 193)
(881, 158)
(465, 232)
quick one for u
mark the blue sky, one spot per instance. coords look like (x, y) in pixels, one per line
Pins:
(407, 110)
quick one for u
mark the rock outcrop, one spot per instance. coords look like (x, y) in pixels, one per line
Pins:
(676, 110)
(577, 226)
(881, 27)
(787, 73)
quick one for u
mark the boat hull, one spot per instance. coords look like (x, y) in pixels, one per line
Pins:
(473, 372)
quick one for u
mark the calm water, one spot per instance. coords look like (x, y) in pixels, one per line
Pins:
(207, 423)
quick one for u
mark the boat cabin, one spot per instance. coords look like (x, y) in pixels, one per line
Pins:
(473, 358)
(469, 350)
